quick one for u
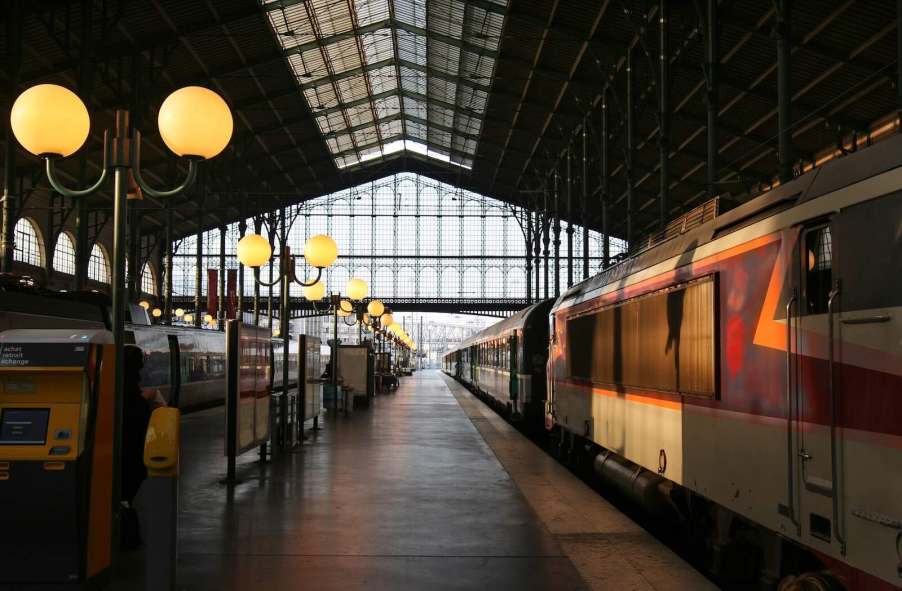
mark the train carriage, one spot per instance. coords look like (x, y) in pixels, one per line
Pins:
(186, 364)
(755, 359)
(506, 362)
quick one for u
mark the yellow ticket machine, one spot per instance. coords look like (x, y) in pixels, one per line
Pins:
(56, 451)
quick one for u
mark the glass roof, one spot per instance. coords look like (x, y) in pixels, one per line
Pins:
(383, 76)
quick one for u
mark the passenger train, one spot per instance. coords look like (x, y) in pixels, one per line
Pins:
(506, 362)
(186, 364)
(745, 371)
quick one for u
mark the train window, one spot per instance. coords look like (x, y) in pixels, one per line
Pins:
(818, 269)
(660, 341)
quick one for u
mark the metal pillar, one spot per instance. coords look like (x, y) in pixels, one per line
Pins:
(82, 246)
(585, 200)
(537, 250)
(528, 255)
(899, 55)
(120, 212)
(272, 242)
(167, 277)
(784, 89)
(221, 311)
(630, 142)
(258, 227)
(546, 224)
(283, 333)
(336, 302)
(133, 270)
(712, 56)
(605, 230)
(198, 266)
(7, 243)
(14, 61)
(664, 112)
(570, 221)
(239, 313)
(557, 234)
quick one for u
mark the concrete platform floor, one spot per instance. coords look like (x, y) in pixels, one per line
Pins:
(424, 490)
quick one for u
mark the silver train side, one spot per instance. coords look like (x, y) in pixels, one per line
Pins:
(505, 363)
(186, 364)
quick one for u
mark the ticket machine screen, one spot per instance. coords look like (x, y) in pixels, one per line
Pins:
(24, 426)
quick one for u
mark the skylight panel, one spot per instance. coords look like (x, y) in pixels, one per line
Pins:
(412, 12)
(442, 89)
(416, 130)
(344, 142)
(310, 64)
(390, 129)
(441, 115)
(439, 138)
(321, 97)
(415, 107)
(413, 80)
(411, 47)
(371, 11)
(343, 55)
(352, 88)
(359, 114)
(366, 136)
(447, 17)
(378, 46)
(388, 106)
(444, 57)
(383, 79)
(292, 25)
(333, 17)
(382, 76)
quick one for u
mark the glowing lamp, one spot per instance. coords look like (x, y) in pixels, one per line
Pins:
(320, 251)
(195, 121)
(179, 313)
(188, 318)
(375, 308)
(144, 304)
(315, 292)
(387, 320)
(157, 313)
(254, 250)
(357, 289)
(208, 318)
(276, 332)
(50, 119)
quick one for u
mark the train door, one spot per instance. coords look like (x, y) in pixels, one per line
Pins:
(814, 448)
(175, 374)
(549, 372)
(513, 366)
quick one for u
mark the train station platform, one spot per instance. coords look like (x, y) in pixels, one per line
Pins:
(427, 489)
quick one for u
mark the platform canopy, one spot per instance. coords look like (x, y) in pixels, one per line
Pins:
(489, 95)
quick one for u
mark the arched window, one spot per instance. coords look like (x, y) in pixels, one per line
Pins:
(64, 254)
(29, 248)
(99, 265)
(148, 280)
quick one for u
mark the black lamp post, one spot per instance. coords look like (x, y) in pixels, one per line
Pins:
(52, 122)
(253, 251)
